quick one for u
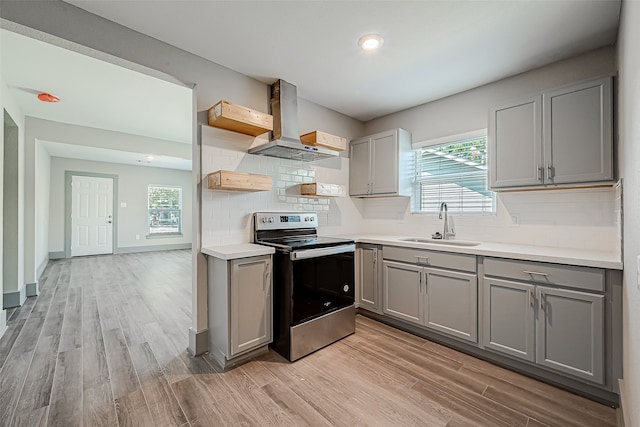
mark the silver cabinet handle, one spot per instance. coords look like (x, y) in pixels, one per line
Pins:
(542, 301)
(550, 171)
(540, 172)
(425, 258)
(535, 273)
(531, 298)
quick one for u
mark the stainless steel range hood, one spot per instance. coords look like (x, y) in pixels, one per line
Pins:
(285, 141)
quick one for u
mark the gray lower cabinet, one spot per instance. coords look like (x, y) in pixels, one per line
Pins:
(368, 274)
(403, 297)
(451, 303)
(509, 321)
(570, 332)
(442, 300)
(555, 327)
(240, 306)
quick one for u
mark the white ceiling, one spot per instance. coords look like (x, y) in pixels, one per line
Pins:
(431, 49)
(97, 94)
(98, 154)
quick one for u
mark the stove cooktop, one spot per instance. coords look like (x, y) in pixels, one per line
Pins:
(304, 242)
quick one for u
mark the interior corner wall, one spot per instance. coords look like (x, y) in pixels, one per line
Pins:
(132, 219)
(15, 287)
(628, 54)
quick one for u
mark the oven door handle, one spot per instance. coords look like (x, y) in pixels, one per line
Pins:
(319, 252)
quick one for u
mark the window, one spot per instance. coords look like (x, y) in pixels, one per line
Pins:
(454, 172)
(165, 210)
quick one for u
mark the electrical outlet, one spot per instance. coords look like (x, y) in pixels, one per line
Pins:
(515, 220)
(137, 237)
(123, 204)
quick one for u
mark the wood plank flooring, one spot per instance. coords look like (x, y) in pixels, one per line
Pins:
(104, 344)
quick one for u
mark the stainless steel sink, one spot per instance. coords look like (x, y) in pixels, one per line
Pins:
(442, 242)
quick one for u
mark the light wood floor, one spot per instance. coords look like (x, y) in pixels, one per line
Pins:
(104, 345)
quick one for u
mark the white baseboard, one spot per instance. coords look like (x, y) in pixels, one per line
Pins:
(624, 418)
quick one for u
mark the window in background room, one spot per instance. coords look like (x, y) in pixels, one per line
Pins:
(456, 173)
(165, 210)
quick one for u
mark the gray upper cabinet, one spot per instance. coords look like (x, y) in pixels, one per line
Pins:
(562, 136)
(380, 165)
(368, 278)
(578, 133)
(515, 135)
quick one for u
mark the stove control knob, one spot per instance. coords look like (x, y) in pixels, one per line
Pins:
(270, 219)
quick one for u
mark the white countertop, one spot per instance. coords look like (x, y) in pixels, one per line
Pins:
(235, 251)
(586, 258)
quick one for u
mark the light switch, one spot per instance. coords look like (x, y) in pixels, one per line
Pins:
(123, 204)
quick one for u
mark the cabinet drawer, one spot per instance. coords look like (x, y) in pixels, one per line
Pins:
(425, 258)
(586, 278)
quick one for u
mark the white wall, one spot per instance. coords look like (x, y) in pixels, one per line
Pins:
(628, 50)
(133, 182)
(564, 218)
(42, 192)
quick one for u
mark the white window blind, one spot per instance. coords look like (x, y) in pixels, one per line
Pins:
(165, 210)
(455, 173)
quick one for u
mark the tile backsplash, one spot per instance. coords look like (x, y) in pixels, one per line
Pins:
(576, 218)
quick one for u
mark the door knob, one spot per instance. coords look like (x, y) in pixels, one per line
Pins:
(108, 222)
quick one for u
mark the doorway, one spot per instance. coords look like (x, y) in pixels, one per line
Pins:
(91, 220)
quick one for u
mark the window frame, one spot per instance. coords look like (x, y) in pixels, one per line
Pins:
(161, 234)
(417, 147)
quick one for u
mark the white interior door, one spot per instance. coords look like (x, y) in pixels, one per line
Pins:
(91, 215)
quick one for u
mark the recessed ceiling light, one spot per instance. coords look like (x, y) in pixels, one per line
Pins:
(370, 42)
(149, 157)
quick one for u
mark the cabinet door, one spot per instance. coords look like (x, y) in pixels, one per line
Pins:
(515, 144)
(402, 285)
(508, 317)
(451, 303)
(250, 303)
(368, 295)
(359, 167)
(578, 133)
(570, 334)
(384, 165)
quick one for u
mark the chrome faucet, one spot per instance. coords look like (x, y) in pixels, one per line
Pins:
(447, 232)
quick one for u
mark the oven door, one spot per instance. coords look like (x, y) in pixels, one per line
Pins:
(323, 281)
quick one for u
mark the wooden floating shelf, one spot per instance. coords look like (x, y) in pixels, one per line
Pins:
(322, 189)
(238, 181)
(237, 118)
(332, 142)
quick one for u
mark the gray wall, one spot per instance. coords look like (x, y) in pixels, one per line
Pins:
(468, 111)
(628, 50)
(133, 182)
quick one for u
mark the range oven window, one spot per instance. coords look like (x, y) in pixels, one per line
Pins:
(322, 285)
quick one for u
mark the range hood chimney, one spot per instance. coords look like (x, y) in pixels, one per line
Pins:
(285, 141)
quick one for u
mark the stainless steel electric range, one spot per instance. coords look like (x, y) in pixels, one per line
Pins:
(313, 282)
